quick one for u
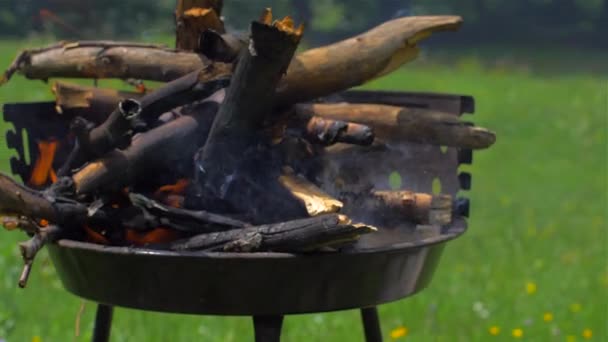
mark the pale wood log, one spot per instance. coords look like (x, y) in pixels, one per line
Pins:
(315, 200)
(406, 124)
(395, 206)
(352, 62)
(106, 59)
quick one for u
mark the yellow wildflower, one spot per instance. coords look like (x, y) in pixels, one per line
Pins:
(530, 287)
(570, 338)
(548, 317)
(399, 332)
(587, 334)
(494, 330)
(517, 333)
(36, 339)
(575, 307)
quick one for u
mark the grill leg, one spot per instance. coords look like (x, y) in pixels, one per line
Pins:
(103, 323)
(371, 324)
(267, 328)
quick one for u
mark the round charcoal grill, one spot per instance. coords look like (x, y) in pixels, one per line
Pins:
(389, 265)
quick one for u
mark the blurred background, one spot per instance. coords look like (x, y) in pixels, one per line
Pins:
(534, 263)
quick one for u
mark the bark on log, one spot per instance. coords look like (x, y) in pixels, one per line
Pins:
(98, 102)
(249, 101)
(163, 146)
(292, 236)
(352, 62)
(18, 200)
(104, 59)
(30, 248)
(314, 73)
(406, 124)
(327, 131)
(192, 17)
(394, 206)
(116, 131)
(221, 47)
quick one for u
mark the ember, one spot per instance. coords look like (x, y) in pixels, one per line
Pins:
(238, 152)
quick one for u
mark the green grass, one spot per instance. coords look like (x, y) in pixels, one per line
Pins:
(538, 216)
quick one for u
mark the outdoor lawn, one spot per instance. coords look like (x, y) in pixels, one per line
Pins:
(532, 266)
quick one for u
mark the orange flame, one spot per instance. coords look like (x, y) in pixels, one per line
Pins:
(43, 168)
(167, 193)
(95, 237)
(157, 235)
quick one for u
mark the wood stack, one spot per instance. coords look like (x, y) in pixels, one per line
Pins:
(214, 159)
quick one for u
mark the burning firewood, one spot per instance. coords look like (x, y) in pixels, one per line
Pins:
(317, 72)
(245, 109)
(163, 147)
(292, 236)
(406, 124)
(117, 129)
(233, 153)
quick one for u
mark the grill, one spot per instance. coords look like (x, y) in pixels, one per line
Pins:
(394, 263)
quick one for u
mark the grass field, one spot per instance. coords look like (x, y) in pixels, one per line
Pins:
(534, 258)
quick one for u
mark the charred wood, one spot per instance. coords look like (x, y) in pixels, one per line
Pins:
(292, 236)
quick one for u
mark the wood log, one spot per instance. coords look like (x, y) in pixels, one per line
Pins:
(292, 236)
(198, 221)
(98, 102)
(114, 131)
(327, 132)
(162, 147)
(192, 17)
(30, 248)
(352, 62)
(18, 200)
(221, 47)
(388, 207)
(107, 59)
(406, 124)
(246, 108)
(314, 73)
(315, 200)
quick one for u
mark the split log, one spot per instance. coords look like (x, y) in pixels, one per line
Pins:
(394, 206)
(293, 236)
(314, 73)
(106, 59)
(246, 108)
(162, 147)
(315, 200)
(192, 17)
(406, 124)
